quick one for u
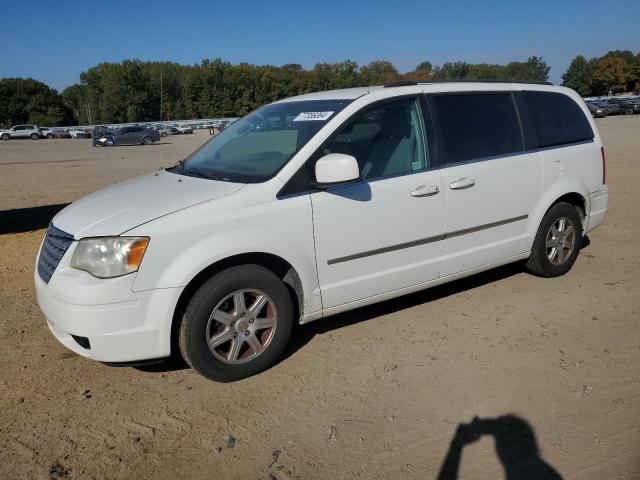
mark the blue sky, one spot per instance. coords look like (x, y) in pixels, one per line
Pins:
(54, 42)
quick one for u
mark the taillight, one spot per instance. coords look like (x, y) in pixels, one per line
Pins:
(604, 167)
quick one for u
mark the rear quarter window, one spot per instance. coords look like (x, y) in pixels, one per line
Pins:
(556, 119)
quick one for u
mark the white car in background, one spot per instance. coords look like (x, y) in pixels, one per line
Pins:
(46, 132)
(165, 130)
(21, 131)
(320, 204)
(182, 129)
(79, 133)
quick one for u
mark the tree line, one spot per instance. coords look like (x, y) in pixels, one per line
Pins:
(617, 71)
(134, 91)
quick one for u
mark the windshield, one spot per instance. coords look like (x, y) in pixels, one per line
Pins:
(255, 147)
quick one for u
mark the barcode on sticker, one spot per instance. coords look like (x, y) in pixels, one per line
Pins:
(309, 116)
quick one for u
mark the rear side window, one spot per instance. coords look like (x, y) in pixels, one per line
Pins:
(557, 119)
(475, 126)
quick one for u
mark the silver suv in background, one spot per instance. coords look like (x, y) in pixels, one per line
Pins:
(21, 131)
(133, 135)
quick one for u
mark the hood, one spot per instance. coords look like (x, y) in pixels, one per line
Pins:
(121, 207)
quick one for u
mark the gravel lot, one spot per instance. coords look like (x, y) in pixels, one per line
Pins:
(375, 393)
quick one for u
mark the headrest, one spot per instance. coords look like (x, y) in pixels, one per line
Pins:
(396, 122)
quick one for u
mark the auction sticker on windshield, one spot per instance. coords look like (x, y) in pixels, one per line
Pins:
(307, 116)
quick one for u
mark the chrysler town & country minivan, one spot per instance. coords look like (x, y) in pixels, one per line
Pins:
(320, 204)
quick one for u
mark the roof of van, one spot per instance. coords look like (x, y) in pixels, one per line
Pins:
(436, 85)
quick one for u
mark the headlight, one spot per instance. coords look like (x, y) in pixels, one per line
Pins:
(108, 257)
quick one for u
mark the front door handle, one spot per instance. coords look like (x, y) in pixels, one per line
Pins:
(462, 183)
(425, 191)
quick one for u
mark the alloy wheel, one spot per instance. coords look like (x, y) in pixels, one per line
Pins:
(241, 326)
(561, 240)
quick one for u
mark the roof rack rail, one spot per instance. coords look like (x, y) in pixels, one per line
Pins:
(405, 83)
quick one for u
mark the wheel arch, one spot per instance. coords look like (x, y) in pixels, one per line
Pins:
(276, 264)
(575, 199)
(571, 192)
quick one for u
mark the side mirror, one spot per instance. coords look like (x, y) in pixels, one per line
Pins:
(336, 168)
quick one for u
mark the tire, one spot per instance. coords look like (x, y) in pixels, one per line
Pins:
(109, 143)
(539, 262)
(147, 140)
(628, 111)
(220, 294)
(34, 136)
(49, 136)
(163, 134)
(6, 137)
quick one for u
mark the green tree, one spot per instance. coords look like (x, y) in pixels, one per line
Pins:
(451, 71)
(533, 70)
(25, 100)
(579, 76)
(425, 67)
(379, 72)
(610, 75)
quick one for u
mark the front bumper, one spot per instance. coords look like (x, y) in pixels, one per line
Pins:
(120, 325)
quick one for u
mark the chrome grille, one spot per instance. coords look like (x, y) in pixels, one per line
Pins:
(53, 249)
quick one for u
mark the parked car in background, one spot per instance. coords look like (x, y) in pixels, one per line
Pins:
(628, 106)
(98, 132)
(46, 132)
(164, 130)
(374, 193)
(128, 136)
(182, 129)
(611, 107)
(79, 133)
(60, 133)
(596, 112)
(21, 131)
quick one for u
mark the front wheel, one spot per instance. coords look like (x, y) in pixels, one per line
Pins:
(5, 137)
(34, 136)
(49, 136)
(147, 140)
(237, 324)
(557, 242)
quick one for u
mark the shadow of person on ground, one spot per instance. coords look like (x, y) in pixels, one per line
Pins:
(21, 220)
(516, 448)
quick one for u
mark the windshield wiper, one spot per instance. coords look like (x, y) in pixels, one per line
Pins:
(179, 169)
(178, 166)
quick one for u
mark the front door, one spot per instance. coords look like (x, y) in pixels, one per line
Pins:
(382, 233)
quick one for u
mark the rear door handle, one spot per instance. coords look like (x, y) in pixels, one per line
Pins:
(462, 183)
(425, 191)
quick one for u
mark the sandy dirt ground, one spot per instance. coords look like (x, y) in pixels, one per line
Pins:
(550, 366)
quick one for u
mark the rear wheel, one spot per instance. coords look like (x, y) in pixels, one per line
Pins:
(557, 242)
(237, 323)
(34, 136)
(5, 137)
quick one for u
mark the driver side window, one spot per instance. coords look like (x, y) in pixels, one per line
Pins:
(386, 140)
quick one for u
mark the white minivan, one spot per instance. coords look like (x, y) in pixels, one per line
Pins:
(316, 205)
